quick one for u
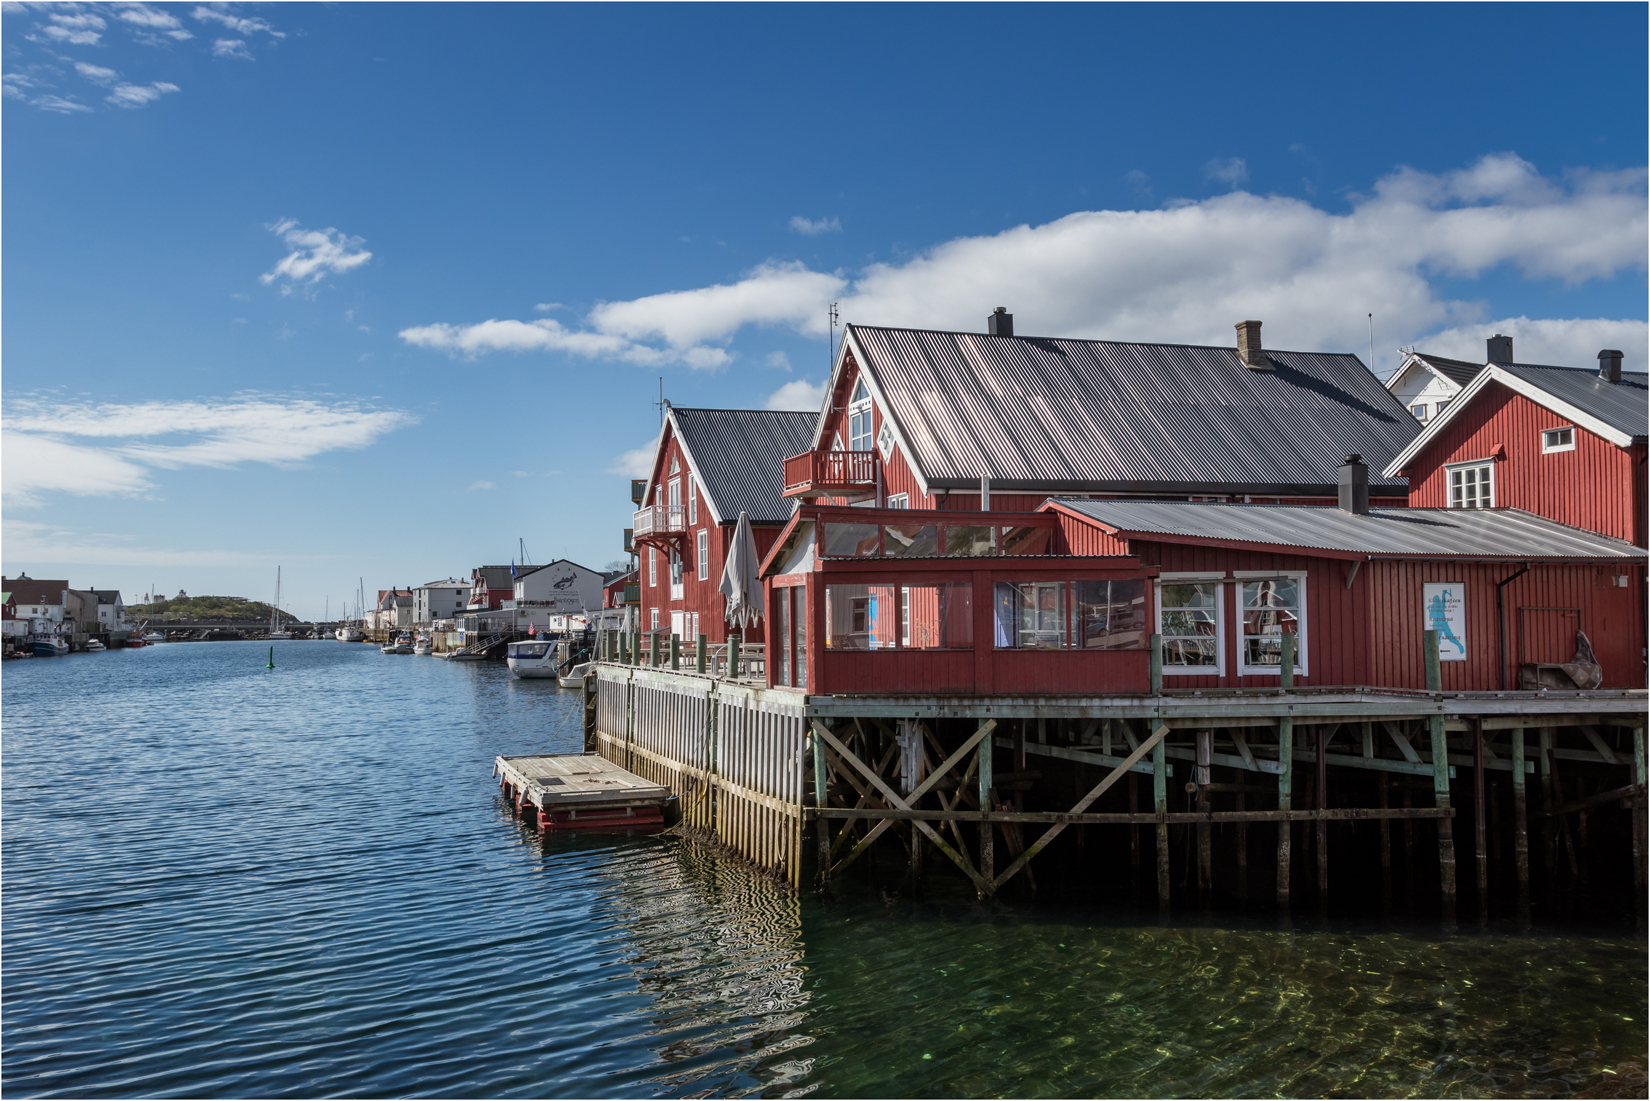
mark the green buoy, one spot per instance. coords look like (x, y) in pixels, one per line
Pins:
(271, 656)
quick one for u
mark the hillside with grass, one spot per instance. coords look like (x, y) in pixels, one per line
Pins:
(234, 609)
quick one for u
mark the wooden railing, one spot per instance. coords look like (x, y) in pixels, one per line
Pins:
(657, 518)
(831, 468)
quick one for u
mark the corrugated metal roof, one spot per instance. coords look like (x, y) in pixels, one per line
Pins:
(1624, 406)
(1048, 414)
(1424, 532)
(740, 456)
(1458, 371)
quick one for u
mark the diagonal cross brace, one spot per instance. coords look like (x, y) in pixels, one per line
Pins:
(1083, 804)
(895, 801)
(922, 789)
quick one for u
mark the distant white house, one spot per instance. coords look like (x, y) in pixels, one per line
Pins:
(1426, 383)
(560, 588)
(444, 599)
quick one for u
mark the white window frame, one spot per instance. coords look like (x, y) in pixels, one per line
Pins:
(654, 619)
(1220, 581)
(1419, 412)
(675, 575)
(1548, 449)
(653, 566)
(693, 499)
(702, 552)
(1301, 624)
(860, 408)
(1450, 471)
(899, 500)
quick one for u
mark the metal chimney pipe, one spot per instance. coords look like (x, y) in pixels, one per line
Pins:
(1354, 486)
(1609, 366)
(1498, 349)
(1000, 323)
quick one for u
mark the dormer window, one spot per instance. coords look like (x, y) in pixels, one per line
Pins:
(1558, 439)
(859, 419)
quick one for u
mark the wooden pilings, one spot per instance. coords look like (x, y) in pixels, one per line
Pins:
(1521, 837)
(1440, 786)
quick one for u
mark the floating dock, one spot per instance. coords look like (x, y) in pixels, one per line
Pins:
(581, 792)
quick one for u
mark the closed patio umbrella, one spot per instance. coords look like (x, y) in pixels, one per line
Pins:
(739, 582)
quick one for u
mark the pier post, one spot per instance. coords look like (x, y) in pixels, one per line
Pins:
(1321, 792)
(1481, 853)
(699, 654)
(988, 856)
(821, 830)
(1521, 836)
(1134, 833)
(1440, 784)
(1205, 752)
(675, 651)
(1638, 821)
(1286, 771)
(1157, 665)
(1160, 804)
(1549, 822)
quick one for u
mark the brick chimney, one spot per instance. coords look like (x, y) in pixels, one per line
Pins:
(1609, 366)
(1248, 346)
(1354, 486)
(1000, 323)
(1498, 349)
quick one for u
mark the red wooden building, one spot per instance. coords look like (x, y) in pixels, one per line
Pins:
(1560, 442)
(916, 419)
(709, 465)
(1062, 601)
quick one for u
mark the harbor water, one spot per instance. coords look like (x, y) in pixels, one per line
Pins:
(227, 880)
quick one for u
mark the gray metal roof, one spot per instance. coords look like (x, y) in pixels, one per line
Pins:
(1048, 415)
(1458, 371)
(1420, 532)
(1624, 406)
(740, 457)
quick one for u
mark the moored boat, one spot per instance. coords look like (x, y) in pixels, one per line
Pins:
(93, 646)
(532, 659)
(152, 637)
(422, 645)
(48, 646)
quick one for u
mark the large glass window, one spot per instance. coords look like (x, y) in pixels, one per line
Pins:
(1026, 540)
(1272, 608)
(851, 540)
(911, 540)
(968, 541)
(1188, 618)
(799, 633)
(1472, 486)
(859, 419)
(1070, 615)
(861, 617)
(785, 638)
(938, 616)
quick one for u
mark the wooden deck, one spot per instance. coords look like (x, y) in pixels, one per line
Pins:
(580, 791)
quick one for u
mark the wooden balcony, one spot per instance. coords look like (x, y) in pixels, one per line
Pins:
(659, 525)
(830, 473)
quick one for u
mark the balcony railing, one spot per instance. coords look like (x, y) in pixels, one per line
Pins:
(657, 520)
(829, 469)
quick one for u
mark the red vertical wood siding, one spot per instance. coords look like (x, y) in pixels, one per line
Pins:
(1611, 617)
(1594, 486)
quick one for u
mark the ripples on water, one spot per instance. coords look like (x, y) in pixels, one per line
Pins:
(221, 880)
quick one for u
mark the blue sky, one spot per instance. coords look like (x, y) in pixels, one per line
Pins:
(376, 290)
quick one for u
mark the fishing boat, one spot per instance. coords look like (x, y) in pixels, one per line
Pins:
(153, 637)
(275, 611)
(93, 646)
(48, 646)
(422, 645)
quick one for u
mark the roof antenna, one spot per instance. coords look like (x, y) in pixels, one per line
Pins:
(831, 343)
(662, 403)
(1372, 345)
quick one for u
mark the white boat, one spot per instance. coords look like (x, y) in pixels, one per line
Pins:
(532, 659)
(577, 676)
(275, 611)
(422, 645)
(351, 634)
(93, 646)
(152, 637)
(402, 645)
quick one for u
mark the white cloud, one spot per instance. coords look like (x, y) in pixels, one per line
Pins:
(635, 463)
(139, 95)
(29, 541)
(546, 307)
(314, 254)
(798, 395)
(481, 485)
(1230, 170)
(142, 15)
(810, 228)
(230, 47)
(58, 104)
(96, 450)
(97, 74)
(77, 29)
(779, 361)
(1187, 272)
(236, 23)
(1573, 342)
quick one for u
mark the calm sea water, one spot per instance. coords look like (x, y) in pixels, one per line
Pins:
(221, 879)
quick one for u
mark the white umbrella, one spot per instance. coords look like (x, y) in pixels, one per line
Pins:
(739, 581)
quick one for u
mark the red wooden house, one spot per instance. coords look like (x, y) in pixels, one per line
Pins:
(1560, 442)
(917, 419)
(709, 465)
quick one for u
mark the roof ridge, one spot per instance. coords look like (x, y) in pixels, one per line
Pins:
(1099, 340)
